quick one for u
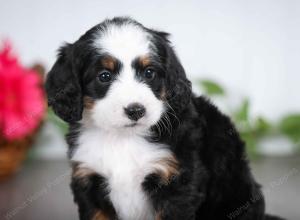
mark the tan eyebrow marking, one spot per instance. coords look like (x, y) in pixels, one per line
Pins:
(144, 61)
(109, 63)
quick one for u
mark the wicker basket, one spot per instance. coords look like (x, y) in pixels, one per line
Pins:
(12, 154)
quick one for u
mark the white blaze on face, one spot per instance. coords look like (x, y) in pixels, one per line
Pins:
(126, 43)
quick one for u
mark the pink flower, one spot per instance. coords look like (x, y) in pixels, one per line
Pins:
(22, 101)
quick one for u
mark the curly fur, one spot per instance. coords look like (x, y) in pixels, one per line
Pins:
(204, 173)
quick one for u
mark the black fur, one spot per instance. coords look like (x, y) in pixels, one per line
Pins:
(214, 181)
(63, 87)
(89, 194)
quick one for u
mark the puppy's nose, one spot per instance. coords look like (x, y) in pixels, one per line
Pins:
(135, 111)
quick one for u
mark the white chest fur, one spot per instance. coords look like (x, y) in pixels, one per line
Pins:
(124, 161)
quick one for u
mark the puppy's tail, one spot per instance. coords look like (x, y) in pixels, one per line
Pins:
(271, 217)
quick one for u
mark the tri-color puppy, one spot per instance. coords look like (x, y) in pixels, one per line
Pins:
(141, 144)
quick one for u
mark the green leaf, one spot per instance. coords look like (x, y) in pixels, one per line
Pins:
(290, 126)
(211, 88)
(63, 126)
(242, 114)
(262, 126)
(250, 141)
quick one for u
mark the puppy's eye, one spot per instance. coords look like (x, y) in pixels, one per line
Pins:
(105, 76)
(149, 74)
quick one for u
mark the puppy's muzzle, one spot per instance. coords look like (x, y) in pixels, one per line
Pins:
(135, 111)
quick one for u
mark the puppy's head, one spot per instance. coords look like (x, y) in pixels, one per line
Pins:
(118, 75)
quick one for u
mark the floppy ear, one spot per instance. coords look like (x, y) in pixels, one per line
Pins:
(63, 87)
(178, 86)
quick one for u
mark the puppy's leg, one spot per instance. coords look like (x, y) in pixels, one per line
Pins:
(172, 197)
(171, 200)
(90, 194)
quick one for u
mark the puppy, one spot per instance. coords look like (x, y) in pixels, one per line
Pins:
(142, 146)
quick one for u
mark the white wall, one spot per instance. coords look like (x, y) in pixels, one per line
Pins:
(251, 46)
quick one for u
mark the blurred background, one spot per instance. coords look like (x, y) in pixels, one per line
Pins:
(244, 55)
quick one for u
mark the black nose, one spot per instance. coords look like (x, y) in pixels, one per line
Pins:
(135, 111)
